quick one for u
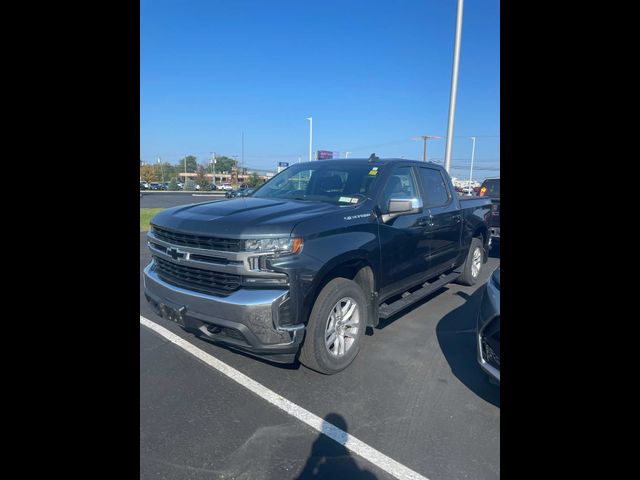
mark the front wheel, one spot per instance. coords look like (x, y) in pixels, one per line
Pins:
(473, 263)
(335, 328)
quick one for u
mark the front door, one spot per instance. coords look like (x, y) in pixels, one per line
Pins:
(404, 244)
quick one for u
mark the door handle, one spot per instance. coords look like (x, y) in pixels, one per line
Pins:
(425, 222)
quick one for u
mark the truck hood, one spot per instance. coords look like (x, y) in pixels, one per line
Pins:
(242, 217)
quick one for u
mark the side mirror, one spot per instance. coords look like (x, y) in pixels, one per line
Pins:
(402, 206)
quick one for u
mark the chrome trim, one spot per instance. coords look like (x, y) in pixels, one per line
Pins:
(239, 261)
(239, 297)
(199, 251)
(494, 298)
(490, 369)
(242, 297)
(416, 202)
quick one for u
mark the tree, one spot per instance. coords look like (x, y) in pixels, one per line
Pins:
(192, 164)
(148, 173)
(189, 185)
(254, 180)
(166, 170)
(173, 184)
(224, 164)
(201, 178)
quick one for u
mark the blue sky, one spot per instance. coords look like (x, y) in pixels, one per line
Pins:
(372, 74)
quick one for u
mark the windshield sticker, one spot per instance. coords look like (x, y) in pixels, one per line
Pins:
(373, 171)
(345, 199)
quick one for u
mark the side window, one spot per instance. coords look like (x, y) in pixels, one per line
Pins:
(435, 189)
(400, 184)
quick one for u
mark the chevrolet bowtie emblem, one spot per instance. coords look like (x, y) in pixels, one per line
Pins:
(175, 253)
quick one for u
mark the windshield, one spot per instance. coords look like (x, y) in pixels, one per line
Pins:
(323, 181)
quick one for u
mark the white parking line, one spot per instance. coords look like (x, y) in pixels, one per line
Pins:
(345, 439)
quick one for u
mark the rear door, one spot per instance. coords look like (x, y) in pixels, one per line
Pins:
(444, 225)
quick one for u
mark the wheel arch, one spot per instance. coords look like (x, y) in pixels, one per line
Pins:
(352, 267)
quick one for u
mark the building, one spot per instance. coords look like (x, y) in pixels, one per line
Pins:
(225, 177)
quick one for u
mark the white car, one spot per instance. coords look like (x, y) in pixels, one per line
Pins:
(225, 186)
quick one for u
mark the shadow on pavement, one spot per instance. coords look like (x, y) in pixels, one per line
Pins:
(494, 252)
(329, 459)
(456, 334)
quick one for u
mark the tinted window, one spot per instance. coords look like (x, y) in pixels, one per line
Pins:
(435, 190)
(490, 188)
(399, 185)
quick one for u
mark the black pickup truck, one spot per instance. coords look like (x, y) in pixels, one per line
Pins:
(316, 255)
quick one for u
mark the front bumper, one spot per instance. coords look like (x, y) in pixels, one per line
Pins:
(488, 316)
(245, 320)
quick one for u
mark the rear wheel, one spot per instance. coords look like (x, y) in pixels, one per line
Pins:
(473, 263)
(335, 328)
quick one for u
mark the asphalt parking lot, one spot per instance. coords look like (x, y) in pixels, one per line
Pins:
(166, 200)
(414, 393)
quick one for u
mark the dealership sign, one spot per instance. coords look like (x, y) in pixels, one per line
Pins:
(327, 155)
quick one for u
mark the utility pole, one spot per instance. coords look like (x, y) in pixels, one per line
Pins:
(310, 137)
(425, 138)
(473, 153)
(235, 161)
(161, 169)
(346, 155)
(454, 87)
(213, 170)
(242, 167)
(185, 173)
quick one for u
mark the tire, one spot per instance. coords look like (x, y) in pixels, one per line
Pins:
(468, 277)
(325, 322)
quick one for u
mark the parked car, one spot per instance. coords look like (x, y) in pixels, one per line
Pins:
(225, 186)
(309, 266)
(491, 188)
(488, 328)
(143, 185)
(240, 192)
(155, 186)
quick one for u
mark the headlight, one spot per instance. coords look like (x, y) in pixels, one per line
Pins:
(276, 245)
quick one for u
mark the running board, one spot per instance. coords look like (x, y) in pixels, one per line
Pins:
(386, 311)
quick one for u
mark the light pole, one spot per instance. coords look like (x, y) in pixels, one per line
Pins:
(310, 137)
(454, 87)
(425, 138)
(346, 155)
(473, 153)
